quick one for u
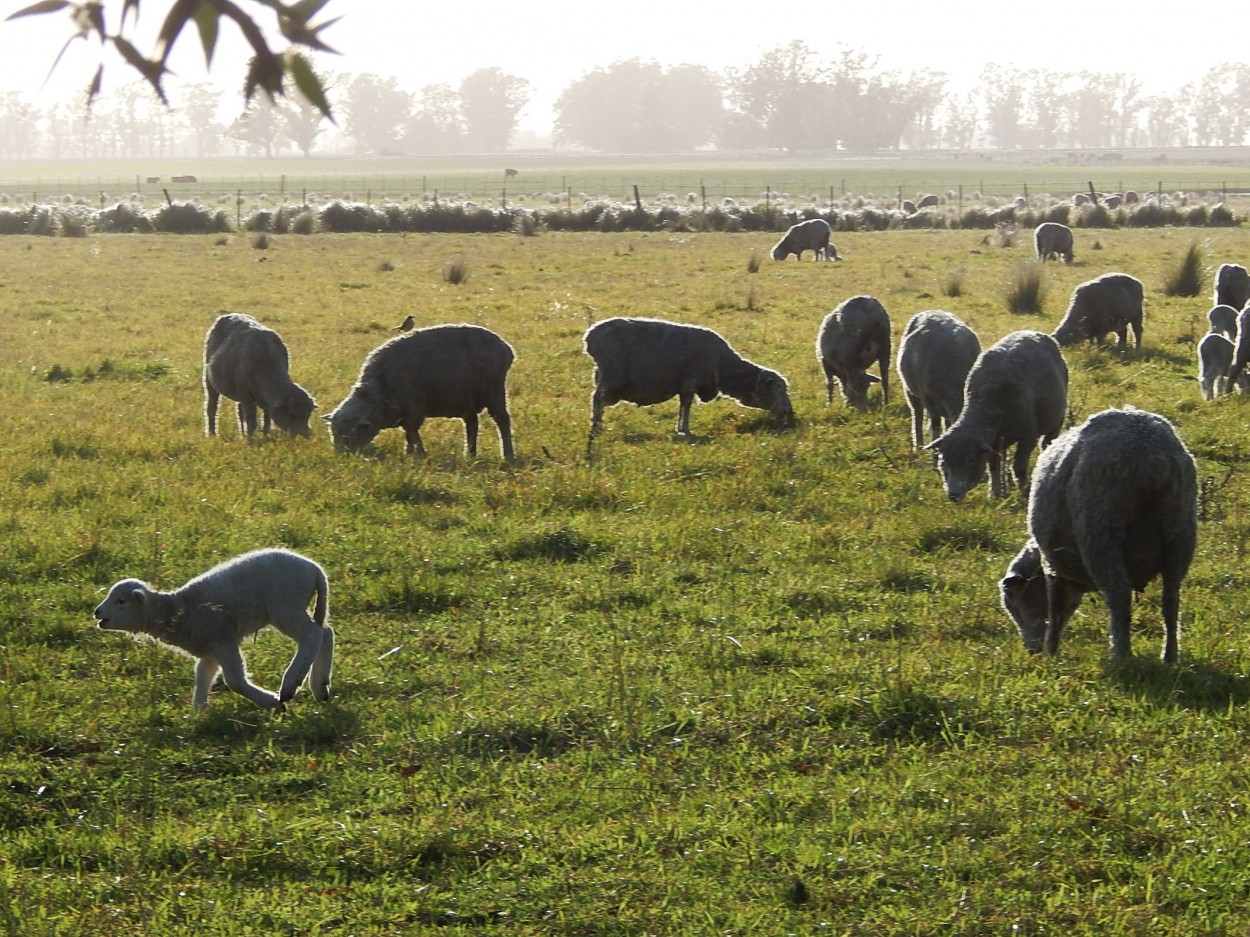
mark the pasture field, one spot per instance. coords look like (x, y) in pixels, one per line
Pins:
(754, 682)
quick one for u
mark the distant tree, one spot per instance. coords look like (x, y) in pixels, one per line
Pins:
(19, 126)
(490, 101)
(267, 71)
(1001, 92)
(258, 129)
(787, 96)
(300, 121)
(199, 106)
(436, 126)
(377, 112)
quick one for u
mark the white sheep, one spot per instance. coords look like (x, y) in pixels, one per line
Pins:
(1113, 505)
(248, 362)
(1015, 394)
(209, 616)
(935, 354)
(648, 361)
(811, 235)
(1215, 361)
(850, 339)
(1113, 302)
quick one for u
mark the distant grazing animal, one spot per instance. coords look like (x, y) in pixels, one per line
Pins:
(851, 338)
(439, 371)
(1015, 394)
(1112, 302)
(811, 235)
(1215, 362)
(1223, 319)
(1053, 240)
(1111, 202)
(909, 206)
(208, 618)
(1114, 504)
(509, 173)
(1232, 286)
(405, 326)
(649, 361)
(1080, 198)
(248, 363)
(934, 357)
(927, 201)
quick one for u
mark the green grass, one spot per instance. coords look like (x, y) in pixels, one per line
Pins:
(752, 682)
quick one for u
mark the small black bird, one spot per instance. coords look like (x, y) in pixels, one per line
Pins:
(405, 326)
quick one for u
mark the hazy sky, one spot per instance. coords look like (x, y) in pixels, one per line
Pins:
(553, 42)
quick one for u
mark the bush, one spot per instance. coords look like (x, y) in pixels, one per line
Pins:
(1186, 279)
(123, 218)
(189, 218)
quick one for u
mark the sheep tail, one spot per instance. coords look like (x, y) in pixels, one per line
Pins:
(321, 612)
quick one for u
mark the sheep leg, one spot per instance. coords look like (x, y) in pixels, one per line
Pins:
(685, 400)
(1020, 467)
(596, 414)
(323, 663)
(503, 422)
(1054, 619)
(412, 433)
(917, 420)
(1119, 599)
(883, 367)
(1171, 604)
(231, 660)
(266, 424)
(206, 671)
(247, 417)
(210, 409)
(996, 474)
(309, 637)
(471, 426)
(1136, 335)
(828, 383)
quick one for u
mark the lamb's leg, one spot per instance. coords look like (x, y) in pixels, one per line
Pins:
(231, 660)
(309, 637)
(210, 409)
(323, 663)
(470, 434)
(206, 670)
(685, 400)
(503, 422)
(1171, 604)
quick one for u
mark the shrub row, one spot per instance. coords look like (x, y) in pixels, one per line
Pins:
(351, 217)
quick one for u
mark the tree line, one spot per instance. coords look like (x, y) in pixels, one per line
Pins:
(790, 100)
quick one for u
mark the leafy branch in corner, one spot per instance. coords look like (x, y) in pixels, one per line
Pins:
(267, 71)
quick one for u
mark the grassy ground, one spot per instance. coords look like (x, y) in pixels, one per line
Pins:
(755, 682)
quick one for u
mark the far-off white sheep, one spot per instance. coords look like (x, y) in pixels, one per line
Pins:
(935, 354)
(1113, 302)
(1232, 286)
(851, 339)
(1052, 239)
(1015, 394)
(1114, 505)
(648, 361)
(208, 618)
(811, 235)
(440, 371)
(248, 363)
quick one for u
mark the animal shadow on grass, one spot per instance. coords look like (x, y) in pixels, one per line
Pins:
(308, 727)
(1194, 685)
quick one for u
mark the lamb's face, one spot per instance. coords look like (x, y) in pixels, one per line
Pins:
(291, 413)
(962, 462)
(123, 609)
(351, 426)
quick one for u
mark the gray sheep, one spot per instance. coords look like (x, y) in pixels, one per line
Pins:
(1053, 240)
(1114, 505)
(1232, 286)
(649, 361)
(935, 354)
(208, 618)
(1016, 394)
(1241, 351)
(851, 338)
(1215, 362)
(927, 201)
(1223, 319)
(440, 371)
(811, 235)
(1112, 302)
(248, 363)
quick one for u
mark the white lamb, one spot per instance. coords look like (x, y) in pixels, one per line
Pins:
(209, 616)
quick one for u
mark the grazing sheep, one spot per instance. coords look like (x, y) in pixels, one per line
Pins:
(209, 616)
(248, 363)
(649, 361)
(1232, 286)
(1215, 361)
(1110, 303)
(850, 339)
(1241, 351)
(927, 201)
(1053, 240)
(1080, 198)
(1016, 393)
(1131, 197)
(935, 354)
(1223, 319)
(439, 371)
(1114, 505)
(811, 235)
(1111, 202)
(909, 206)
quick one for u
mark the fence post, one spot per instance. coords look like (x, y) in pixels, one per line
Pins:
(959, 210)
(900, 196)
(238, 209)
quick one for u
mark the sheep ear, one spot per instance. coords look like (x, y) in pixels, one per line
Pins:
(137, 596)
